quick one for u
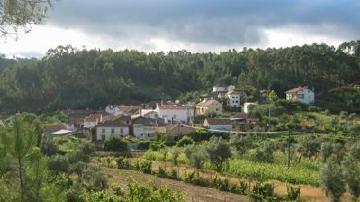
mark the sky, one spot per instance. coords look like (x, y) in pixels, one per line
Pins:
(193, 25)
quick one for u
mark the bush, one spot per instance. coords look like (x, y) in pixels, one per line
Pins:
(185, 141)
(355, 151)
(58, 164)
(240, 143)
(48, 147)
(263, 192)
(265, 154)
(94, 179)
(123, 163)
(196, 155)
(293, 193)
(115, 144)
(351, 171)
(162, 172)
(144, 166)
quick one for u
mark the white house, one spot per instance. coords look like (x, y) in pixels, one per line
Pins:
(218, 125)
(126, 110)
(247, 106)
(234, 98)
(301, 94)
(147, 127)
(175, 113)
(116, 128)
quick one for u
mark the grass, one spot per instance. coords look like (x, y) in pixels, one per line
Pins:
(264, 171)
(304, 172)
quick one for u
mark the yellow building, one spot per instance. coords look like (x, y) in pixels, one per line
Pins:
(208, 106)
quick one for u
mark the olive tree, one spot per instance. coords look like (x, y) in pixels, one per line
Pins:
(240, 143)
(332, 180)
(218, 151)
(196, 155)
(351, 170)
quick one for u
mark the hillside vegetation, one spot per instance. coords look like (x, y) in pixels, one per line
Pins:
(67, 77)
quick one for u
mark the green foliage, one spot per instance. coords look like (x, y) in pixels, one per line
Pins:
(150, 192)
(351, 173)
(218, 152)
(196, 155)
(309, 146)
(332, 180)
(135, 77)
(355, 151)
(143, 166)
(115, 144)
(94, 179)
(48, 147)
(185, 140)
(58, 164)
(123, 163)
(240, 143)
(263, 192)
(265, 154)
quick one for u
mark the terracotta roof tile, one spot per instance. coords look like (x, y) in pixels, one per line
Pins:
(218, 121)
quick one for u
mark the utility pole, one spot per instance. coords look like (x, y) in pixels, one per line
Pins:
(289, 148)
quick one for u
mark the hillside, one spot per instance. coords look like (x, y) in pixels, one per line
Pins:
(70, 78)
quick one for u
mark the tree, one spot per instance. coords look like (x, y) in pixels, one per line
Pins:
(186, 140)
(273, 97)
(196, 155)
(240, 143)
(309, 146)
(355, 151)
(115, 144)
(332, 180)
(351, 170)
(218, 151)
(19, 15)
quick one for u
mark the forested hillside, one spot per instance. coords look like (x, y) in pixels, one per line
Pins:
(67, 77)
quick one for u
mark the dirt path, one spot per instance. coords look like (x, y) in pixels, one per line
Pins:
(192, 193)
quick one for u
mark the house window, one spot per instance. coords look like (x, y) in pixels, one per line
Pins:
(103, 137)
(103, 130)
(112, 131)
(121, 130)
(217, 109)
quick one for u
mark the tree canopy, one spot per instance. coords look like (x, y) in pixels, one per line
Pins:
(67, 77)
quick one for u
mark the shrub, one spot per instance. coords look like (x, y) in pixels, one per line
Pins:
(293, 193)
(162, 172)
(173, 174)
(122, 163)
(94, 179)
(144, 166)
(240, 143)
(265, 154)
(243, 187)
(263, 192)
(115, 144)
(58, 164)
(48, 147)
(185, 141)
(355, 151)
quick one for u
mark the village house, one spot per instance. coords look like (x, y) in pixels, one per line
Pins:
(116, 128)
(179, 129)
(222, 88)
(218, 124)
(93, 120)
(301, 94)
(175, 113)
(146, 127)
(208, 106)
(235, 98)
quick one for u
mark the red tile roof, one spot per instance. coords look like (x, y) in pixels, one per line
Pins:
(295, 90)
(208, 103)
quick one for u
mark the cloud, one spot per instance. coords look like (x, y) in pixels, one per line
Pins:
(216, 22)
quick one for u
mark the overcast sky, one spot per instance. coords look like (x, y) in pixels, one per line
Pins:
(194, 25)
